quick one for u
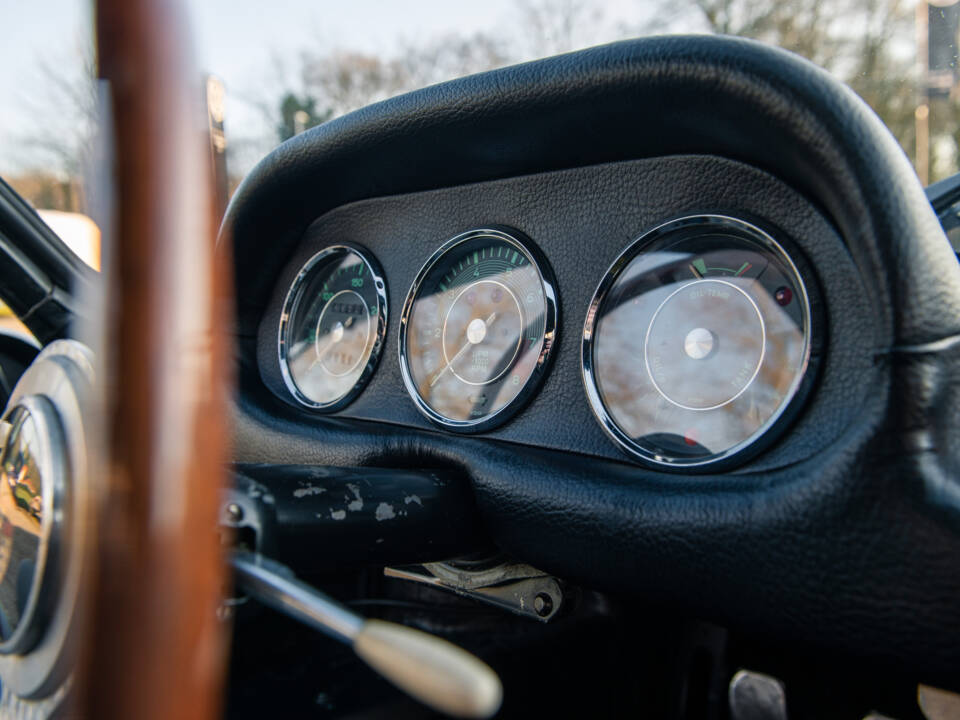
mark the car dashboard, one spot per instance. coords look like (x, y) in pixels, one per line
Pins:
(713, 372)
(581, 220)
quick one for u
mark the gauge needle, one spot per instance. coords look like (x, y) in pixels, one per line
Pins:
(476, 332)
(337, 334)
(696, 272)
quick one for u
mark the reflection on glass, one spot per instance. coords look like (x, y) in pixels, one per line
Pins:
(21, 516)
(700, 343)
(476, 328)
(332, 326)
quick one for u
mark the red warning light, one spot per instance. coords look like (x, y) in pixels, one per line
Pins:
(783, 296)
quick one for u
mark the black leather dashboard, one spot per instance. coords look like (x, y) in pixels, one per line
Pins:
(584, 217)
(845, 534)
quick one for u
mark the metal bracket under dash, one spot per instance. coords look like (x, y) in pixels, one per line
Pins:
(515, 587)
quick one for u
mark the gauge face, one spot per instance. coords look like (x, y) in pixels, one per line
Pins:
(332, 327)
(697, 341)
(477, 329)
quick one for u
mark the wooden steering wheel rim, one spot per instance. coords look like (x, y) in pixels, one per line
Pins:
(155, 647)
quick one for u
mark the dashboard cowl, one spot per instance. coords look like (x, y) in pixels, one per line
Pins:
(660, 96)
(854, 549)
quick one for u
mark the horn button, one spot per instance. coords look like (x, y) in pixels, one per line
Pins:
(28, 475)
(46, 525)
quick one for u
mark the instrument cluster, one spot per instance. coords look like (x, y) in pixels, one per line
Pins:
(695, 348)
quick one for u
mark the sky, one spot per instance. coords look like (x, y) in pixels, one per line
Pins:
(238, 40)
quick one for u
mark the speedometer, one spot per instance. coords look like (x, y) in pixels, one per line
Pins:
(332, 328)
(477, 329)
(697, 342)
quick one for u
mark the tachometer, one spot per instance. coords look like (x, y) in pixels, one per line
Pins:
(477, 329)
(332, 328)
(697, 342)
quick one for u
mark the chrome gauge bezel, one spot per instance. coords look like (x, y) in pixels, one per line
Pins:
(552, 317)
(768, 430)
(373, 268)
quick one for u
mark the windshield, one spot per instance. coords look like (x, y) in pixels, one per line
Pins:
(304, 62)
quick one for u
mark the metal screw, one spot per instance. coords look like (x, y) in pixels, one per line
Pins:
(234, 513)
(543, 604)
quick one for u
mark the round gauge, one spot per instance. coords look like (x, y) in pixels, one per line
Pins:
(477, 329)
(697, 342)
(332, 328)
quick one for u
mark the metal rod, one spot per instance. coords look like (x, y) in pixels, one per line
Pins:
(274, 585)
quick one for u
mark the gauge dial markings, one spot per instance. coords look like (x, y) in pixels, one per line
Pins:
(476, 331)
(726, 328)
(477, 322)
(332, 327)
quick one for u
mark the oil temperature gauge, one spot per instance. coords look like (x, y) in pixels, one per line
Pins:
(697, 342)
(332, 328)
(477, 329)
